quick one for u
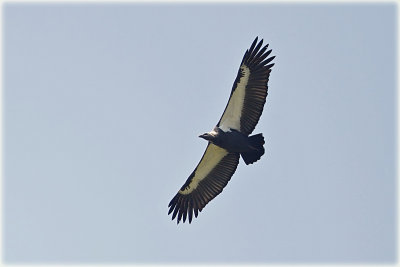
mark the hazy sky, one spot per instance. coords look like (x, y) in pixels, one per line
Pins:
(103, 105)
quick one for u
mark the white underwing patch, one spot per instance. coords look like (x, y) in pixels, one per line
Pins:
(231, 117)
(225, 130)
(210, 160)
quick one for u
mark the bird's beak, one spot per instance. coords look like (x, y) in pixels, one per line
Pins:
(205, 136)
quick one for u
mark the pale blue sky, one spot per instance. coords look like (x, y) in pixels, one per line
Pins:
(102, 108)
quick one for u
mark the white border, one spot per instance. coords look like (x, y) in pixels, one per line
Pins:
(199, 2)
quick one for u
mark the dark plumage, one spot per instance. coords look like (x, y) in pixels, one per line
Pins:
(230, 137)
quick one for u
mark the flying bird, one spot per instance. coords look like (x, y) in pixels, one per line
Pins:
(230, 138)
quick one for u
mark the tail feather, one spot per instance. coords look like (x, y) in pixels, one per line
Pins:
(257, 143)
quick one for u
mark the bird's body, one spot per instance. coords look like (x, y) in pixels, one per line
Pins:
(230, 138)
(234, 141)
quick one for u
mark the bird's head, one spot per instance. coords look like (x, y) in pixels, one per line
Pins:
(207, 136)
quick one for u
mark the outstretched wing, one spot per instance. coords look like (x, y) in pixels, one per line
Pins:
(249, 91)
(211, 175)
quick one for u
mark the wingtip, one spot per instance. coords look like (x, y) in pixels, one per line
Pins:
(270, 66)
(253, 44)
(258, 39)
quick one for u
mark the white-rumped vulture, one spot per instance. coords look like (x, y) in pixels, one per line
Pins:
(230, 137)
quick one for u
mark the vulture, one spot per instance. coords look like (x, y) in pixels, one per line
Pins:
(230, 138)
